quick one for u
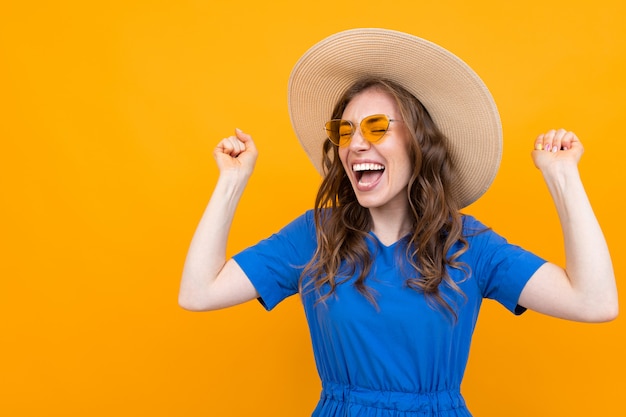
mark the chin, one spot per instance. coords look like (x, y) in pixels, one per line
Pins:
(367, 203)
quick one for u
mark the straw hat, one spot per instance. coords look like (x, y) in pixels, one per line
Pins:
(456, 98)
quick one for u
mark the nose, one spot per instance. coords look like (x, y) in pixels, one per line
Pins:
(357, 141)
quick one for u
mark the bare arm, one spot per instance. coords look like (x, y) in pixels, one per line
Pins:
(585, 290)
(209, 282)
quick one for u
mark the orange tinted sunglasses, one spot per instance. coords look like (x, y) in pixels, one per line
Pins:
(373, 128)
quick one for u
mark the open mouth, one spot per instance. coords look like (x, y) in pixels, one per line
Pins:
(368, 173)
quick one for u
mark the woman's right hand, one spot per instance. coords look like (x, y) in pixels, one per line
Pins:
(210, 282)
(236, 154)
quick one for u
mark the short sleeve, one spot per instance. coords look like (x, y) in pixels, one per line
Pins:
(274, 264)
(501, 269)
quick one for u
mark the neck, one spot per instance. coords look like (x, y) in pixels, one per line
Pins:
(390, 227)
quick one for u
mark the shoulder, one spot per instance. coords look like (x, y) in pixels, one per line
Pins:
(472, 226)
(480, 236)
(300, 229)
(305, 223)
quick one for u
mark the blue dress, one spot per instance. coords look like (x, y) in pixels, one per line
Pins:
(403, 357)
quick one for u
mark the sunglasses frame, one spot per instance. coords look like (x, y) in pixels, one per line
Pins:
(353, 129)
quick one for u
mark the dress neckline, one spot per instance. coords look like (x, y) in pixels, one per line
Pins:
(391, 245)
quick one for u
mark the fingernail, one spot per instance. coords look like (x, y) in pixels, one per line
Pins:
(238, 130)
(548, 146)
(555, 149)
(539, 147)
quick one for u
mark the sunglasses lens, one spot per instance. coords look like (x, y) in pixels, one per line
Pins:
(339, 131)
(375, 127)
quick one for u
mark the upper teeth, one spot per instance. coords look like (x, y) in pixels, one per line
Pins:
(367, 167)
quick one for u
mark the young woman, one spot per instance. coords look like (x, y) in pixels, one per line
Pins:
(390, 273)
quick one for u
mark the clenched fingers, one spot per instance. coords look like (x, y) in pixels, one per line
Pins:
(230, 146)
(555, 140)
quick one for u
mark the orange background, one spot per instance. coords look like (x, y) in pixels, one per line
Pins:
(108, 114)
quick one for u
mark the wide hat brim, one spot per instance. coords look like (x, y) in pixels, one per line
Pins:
(456, 98)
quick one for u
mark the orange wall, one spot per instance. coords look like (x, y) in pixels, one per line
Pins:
(108, 114)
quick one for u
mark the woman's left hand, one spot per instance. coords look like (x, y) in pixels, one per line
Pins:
(585, 290)
(556, 146)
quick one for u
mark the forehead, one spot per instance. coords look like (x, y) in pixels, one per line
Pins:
(374, 100)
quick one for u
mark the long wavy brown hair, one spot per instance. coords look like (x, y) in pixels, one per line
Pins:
(343, 225)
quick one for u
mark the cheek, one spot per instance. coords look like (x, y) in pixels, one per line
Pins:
(405, 166)
(413, 159)
(343, 154)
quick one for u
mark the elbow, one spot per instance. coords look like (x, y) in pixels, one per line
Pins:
(190, 303)
(185, 303)
(610, 314)
(609, 309)
(602, 305)
(603, 314)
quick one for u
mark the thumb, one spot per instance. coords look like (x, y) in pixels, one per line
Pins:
(250, 152)
(245, 138)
